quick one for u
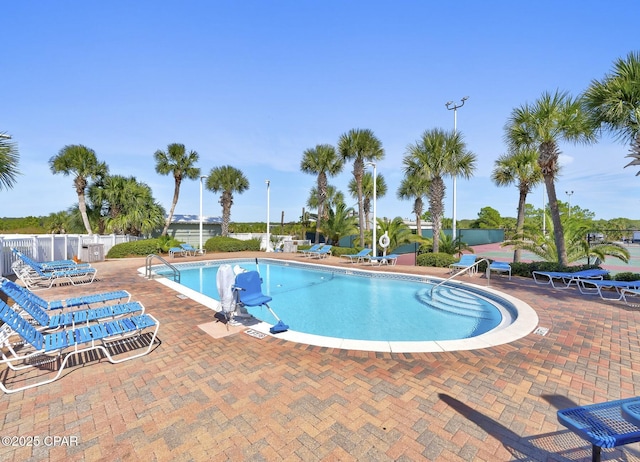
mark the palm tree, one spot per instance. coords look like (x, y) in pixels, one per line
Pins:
(414, 187)
(614, 103)
(82, 162)
(552, 118)
(8, 162)
(578, 247)
(333, 197)
(519, 167)
(438, 154)
(321, 161)
(397, 231)
(127, 206)
(226, 180)
(340, 223)
(367, 192)
(182, 165)
(360, 145)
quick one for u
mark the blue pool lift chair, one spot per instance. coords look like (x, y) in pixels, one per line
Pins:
(249, 292)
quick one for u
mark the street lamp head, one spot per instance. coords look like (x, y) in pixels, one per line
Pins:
(448, 103)
(5, 136)
(267, 182)
(465, 98)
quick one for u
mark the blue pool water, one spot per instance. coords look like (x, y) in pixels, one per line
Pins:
(361, 306)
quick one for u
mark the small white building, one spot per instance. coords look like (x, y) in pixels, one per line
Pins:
(186, 228)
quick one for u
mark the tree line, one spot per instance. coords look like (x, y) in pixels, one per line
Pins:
(533, 134)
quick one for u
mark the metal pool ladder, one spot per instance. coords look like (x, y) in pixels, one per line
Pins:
(147, 267)
(463, 270)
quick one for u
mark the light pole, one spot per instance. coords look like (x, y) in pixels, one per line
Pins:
(201, 217)
(374, 245)
(569, 193)
(268, 237)
(452, 106)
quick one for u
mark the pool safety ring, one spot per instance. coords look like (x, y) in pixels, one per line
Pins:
(384, 240)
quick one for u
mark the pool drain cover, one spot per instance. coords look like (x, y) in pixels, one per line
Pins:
(255, 333)
(541, 331)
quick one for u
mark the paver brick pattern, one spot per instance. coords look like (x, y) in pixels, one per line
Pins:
(235, 398)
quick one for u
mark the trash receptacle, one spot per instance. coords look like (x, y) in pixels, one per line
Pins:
(92, 253)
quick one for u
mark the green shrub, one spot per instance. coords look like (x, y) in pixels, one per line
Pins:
(627, 276)
(439, 260)
(136, 248)
(229, 244)
(166, 242)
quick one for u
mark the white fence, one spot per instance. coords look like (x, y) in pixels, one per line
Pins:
(50, 247)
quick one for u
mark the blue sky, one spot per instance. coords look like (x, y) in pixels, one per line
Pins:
(253, 84)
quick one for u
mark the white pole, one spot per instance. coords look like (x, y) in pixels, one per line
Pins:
(455, 189)
(569, 193)
(268, 237)
(375, 221)
(201, 216)
(374, 244)
(455, 130)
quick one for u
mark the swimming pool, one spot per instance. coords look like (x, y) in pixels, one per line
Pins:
(372, 310)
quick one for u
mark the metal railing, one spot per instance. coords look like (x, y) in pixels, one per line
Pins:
(473, 268)
(147, 267)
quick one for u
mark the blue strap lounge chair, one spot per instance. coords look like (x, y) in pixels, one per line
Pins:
(358, 257)
(63, 318)
(564, 279)
(323, 252)
(500, 267)
(177, 251)
(596, 286)
(604, 425)
(55, 265)
(36, 278)
(249, 293)
(14, 290)
(191, 250)
(624, 293)
(467, 261)
(310, 250)
(38, 348)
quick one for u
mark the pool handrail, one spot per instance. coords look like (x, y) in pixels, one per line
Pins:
(463, 270)
(148, 272)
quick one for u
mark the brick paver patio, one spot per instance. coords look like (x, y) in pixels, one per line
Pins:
(196, 397)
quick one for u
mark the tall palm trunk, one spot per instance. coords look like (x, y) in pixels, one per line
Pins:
(81, 185)
(417, 209)
(226, 201)
(358, 173)
(558, 231)
(322, 197)
(436, 197)
(522, 201)
(176, 193)
(548, 161)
